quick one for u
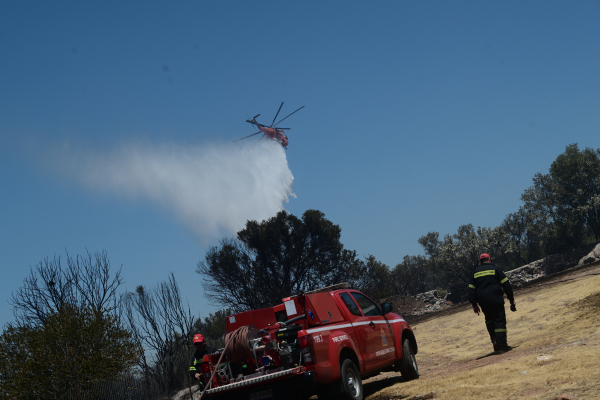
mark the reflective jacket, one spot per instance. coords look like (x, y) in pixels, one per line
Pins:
(197, 360)
(488, 285)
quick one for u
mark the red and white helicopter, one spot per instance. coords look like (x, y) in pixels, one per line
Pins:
(271, 131)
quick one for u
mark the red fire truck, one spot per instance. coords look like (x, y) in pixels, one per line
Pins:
(322, 342)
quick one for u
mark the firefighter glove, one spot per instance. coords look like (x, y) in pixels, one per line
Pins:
(513, 307)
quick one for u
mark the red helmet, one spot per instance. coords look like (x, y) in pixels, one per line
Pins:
(484, 256)
(198, 338)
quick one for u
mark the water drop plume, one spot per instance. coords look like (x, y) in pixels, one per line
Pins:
(213, 189)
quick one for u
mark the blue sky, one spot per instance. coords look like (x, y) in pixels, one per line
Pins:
(420, 116)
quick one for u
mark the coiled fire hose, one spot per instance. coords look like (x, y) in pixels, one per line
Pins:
(239, 351)
(238, 341)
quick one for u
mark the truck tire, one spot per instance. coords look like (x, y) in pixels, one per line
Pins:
(352, 388)
(409, 368)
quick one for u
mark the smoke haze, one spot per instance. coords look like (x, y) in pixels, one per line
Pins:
(213, 189)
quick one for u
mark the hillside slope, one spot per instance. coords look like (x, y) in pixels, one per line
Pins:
(556, 338)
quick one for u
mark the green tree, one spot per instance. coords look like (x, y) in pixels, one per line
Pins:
(564, 205)
(374, 279)
(414, 275)
(276, 258)
(576, 178)
(527, 235)
(71, 351)
(68, 332)
(456, 255)
(213, 327)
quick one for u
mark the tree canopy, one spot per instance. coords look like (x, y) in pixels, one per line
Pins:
(213, 327)
(68, 333)
(561, 210)
(276, 258)
(71, 351)
(85, 282)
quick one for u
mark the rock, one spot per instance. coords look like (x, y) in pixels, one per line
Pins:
(564, 397)
(519, 276)
(428, 297)
(185, 393)
(591, 257)
(554, 263)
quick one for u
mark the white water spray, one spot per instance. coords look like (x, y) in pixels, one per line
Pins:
(213, 189)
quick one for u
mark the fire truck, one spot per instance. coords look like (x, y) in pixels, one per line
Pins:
(323, 342)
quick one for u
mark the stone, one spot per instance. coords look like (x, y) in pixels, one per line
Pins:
(185, 393)
(428, 297)
(592, 256)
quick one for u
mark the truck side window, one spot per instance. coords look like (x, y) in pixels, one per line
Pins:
(350, 304)
(369, 308)
(281, 316)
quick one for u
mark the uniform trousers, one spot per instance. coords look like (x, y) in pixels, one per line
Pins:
(495, 322)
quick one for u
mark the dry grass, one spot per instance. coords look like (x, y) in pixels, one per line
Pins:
(560, 321)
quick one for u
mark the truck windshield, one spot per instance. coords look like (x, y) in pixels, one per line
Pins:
(369, 308)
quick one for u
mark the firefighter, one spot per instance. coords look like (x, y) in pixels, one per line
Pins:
(486, 287)
(201, 351)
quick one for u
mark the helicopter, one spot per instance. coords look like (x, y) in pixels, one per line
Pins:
(272, 131)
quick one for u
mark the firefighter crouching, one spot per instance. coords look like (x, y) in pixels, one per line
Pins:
(201, 351)
(486, 287)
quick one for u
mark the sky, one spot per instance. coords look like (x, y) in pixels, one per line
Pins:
(117, 121)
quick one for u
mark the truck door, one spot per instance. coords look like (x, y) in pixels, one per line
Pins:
(374, 333)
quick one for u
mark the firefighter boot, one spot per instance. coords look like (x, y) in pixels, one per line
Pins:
(503, 349)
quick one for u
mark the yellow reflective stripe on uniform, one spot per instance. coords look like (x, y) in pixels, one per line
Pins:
(471, 286)
(192, 368)
(484, 273)
(499, 330)
(503, 280)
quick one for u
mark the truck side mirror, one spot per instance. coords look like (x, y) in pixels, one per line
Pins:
(386, 308)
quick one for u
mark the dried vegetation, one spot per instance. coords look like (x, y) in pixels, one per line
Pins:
(556, 338)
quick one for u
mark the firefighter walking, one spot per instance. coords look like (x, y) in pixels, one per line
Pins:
(487, 288)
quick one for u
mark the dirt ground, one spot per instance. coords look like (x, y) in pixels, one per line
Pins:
(555, 335)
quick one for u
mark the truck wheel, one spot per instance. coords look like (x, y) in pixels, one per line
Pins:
(352, 388)
(409, 367)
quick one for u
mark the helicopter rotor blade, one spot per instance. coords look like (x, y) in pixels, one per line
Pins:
(277, 113)
(283, 129)
(245, 137)
(290, 114)
(257, 115)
